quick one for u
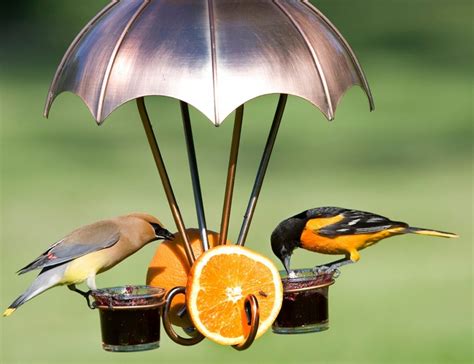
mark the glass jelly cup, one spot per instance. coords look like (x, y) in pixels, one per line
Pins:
(305, 302)
(129, 317)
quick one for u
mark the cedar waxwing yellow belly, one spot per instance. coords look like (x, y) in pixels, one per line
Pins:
(87, 266)
(90, 250)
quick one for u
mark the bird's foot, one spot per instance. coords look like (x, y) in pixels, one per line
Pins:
(327, 269)
(86, 295)
(332, 267)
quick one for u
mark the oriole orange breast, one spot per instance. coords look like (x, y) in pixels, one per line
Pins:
(335, 230)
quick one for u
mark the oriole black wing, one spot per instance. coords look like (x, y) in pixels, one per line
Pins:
(354, 222)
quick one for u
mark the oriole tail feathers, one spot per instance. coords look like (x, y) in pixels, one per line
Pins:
(430, 232)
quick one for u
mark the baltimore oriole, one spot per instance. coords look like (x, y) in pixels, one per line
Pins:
(335, 230)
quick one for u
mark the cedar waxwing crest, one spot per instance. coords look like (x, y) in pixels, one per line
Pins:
(147, 217)
(160, 231)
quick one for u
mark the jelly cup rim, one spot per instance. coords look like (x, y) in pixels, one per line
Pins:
(305, 274)
(321, 280)
(121, 293)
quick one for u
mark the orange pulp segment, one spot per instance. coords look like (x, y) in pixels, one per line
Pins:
(219, 282)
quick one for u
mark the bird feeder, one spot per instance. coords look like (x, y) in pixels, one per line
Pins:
(305, 305)
(214, 55)
(129, 317)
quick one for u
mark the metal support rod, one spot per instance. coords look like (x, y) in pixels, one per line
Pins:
(261, 170)
(229, 187)
(165, 179)
(188, 134)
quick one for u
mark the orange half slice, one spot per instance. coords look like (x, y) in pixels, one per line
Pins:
(217, 286)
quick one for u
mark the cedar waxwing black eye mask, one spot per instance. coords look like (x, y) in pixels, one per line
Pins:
(161, 232)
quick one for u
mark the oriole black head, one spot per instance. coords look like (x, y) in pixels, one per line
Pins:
(286, 237)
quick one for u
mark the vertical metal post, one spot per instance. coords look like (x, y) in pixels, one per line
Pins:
(261, 170)
(188, 134)
(165, 179)
(229, 187)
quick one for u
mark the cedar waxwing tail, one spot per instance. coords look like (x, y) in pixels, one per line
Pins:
(29, 267)
(37, 263)
(430, 232)
(45, 280)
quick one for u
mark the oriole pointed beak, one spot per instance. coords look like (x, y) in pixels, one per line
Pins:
(286, 263)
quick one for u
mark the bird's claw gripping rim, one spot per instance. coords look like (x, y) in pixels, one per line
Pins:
(324, 269)
(87, 296)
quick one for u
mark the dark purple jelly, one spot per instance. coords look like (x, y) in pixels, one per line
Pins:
(131, 326)
(129, 317)
(305, 303)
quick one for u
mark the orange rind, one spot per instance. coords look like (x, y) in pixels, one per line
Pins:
(219, 281)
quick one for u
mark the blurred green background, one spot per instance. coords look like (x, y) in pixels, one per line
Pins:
(409, 299)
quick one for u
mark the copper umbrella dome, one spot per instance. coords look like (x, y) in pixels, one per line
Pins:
(214, 55)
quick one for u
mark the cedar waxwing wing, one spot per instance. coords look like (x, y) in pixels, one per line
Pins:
(334, 230)
(90, 250)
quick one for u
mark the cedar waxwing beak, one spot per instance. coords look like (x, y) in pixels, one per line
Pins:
(162, 233)
(165, 234)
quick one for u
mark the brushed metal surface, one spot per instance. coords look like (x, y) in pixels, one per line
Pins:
(231, 172)
(165, 180)
(214, 55)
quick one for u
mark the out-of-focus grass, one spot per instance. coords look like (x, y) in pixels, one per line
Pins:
(409, 299)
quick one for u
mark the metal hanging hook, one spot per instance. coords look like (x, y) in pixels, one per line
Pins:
(250, 322)
(173, 335)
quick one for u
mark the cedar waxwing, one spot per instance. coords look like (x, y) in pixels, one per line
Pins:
(334, 230)
(90, 250)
